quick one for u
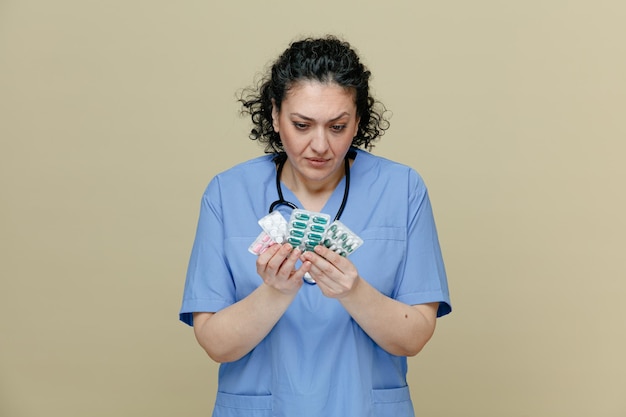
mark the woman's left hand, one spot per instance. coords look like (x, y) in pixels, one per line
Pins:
(398, 328)
(335, 275)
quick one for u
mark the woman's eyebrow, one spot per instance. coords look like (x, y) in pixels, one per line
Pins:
(344, 114)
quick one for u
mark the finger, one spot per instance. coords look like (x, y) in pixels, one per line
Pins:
(326, 284)
(279, 257)
(271, 260)
(266, 255)
(331, 257)
(321, 270)
(289, 265)
(298, 274)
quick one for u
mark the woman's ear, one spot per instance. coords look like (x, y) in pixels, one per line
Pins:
(275, 123)
(356, 127)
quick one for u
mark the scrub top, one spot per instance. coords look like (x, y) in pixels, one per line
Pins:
(317, 361)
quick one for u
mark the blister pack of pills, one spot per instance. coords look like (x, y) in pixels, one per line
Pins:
(340, 239)
(274, 231)
(261, 243)
(275, 225)
(306, 229)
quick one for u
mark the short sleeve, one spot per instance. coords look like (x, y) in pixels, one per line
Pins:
(208, 286)
(424, 278)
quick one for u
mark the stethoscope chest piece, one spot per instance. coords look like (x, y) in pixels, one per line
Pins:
(308, 279)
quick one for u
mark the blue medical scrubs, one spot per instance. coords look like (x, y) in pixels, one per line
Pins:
(317, 361)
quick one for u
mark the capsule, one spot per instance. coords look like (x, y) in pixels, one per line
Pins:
(299, 225)
(314, 237)
(294, 241)
(317, 228)
(319, 220)
(302, 216)
(296, 233)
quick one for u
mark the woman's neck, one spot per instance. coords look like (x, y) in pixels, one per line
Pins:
(312, 194)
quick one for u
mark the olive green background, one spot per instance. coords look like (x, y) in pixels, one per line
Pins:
(115, 115)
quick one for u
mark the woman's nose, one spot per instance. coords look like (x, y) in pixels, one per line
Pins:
(319, 141)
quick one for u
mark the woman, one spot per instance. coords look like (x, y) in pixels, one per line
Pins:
(339, 347)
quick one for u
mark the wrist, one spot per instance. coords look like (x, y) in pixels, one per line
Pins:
(354, 291)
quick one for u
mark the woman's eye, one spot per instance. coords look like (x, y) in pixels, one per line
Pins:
(300, 126)
(338, 128)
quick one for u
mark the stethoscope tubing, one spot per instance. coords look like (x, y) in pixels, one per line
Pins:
(281, 199)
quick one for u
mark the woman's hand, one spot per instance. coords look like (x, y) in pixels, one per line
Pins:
(398, 328)
(234, 331)
(335, 275)
(277, 267)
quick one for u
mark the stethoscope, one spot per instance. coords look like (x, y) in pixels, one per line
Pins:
(281, 158)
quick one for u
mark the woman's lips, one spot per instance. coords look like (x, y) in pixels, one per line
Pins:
(317, 162)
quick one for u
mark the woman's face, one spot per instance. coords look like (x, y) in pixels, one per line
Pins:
(316, 123)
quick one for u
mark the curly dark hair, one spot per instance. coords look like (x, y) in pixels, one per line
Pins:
(326, 59)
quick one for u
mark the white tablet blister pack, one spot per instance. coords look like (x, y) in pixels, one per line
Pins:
(274, 228)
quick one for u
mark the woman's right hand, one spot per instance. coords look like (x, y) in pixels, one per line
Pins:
(234, 331)
(277, 267)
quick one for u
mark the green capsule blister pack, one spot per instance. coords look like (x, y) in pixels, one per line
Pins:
(306, 229)
(340, 239)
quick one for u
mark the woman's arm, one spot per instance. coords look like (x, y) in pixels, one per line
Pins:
(398, 328)
(234, 331)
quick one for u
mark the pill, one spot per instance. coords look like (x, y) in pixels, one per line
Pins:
(299, 225)
(314, 237)
(317, 228)
(294, 242)
(296, 233)
(319, 220)
(301, 216)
